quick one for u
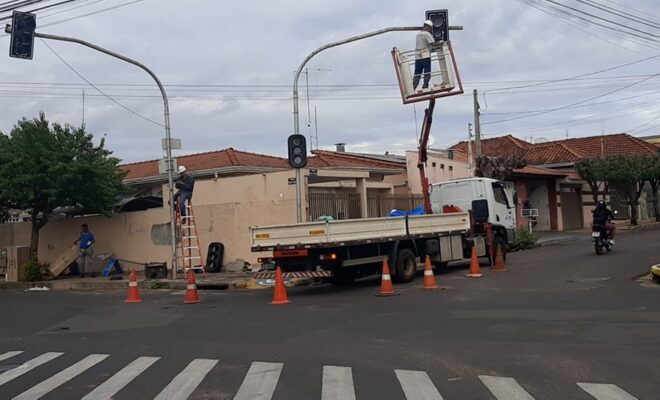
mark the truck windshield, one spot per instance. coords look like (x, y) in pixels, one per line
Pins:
(500, 194)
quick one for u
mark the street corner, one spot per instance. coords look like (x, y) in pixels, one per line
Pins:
(651, 279)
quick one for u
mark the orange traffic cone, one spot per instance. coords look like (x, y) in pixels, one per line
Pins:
(429, 279)
(192, 296)
(499, 260)
(133, 291)
(386, 288)
(279, 296)
(475, 271)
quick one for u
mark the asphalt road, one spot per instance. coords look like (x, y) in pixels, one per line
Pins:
(558, 317)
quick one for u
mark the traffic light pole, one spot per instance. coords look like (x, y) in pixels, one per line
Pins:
(296, 113)
(170, 175)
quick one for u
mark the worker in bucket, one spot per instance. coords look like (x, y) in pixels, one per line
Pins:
(87, 242)
(423, 50)
(185, 183)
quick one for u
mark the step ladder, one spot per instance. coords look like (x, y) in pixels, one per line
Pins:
(189, 255)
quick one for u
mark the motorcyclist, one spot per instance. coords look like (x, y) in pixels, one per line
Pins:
(602, 216)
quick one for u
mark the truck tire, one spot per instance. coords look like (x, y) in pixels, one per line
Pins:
(406, 266)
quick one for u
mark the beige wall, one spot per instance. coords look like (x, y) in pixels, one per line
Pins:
(453, 169)
(14, 235)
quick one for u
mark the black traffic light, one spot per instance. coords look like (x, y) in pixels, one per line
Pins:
(297, 151)
(22, 35)
(440, 19)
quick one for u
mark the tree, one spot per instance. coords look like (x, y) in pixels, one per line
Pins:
(595, 172)
(500, 168)
(44, 167)
(629, 172)
(653, 177)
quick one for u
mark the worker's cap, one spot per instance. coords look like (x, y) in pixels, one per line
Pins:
(428, 22)
(182, 169)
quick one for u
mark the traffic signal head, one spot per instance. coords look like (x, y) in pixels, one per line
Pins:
(22, 35)
(440, 19)
(297, 151)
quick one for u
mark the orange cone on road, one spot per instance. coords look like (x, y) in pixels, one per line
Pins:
(279, 297)
(499, 260)
(386, 288)
(192, 296)
(475, 271)
(429, 279)
(133, 291)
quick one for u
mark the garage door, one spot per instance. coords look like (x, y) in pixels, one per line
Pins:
(571, 207)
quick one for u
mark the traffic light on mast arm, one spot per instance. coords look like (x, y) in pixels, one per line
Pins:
(21, 44)
(440, 19)
(297, 151)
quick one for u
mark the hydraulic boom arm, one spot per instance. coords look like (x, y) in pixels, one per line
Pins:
(422, 156)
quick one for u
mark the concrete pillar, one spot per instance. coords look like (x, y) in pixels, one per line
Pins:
(361, 187)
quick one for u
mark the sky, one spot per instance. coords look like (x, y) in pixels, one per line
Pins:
(228, 69)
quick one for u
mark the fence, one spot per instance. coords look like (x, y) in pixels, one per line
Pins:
(380, 205)
(346, 205)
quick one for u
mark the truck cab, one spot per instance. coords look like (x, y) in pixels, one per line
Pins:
(487, 199)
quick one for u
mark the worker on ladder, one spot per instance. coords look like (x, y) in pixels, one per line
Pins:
(185, 183)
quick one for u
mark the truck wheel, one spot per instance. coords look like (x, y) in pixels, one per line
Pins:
(406, 266)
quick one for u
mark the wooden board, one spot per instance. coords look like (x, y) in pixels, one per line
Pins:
(64, 260)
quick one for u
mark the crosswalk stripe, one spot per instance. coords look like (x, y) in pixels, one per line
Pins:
(9, 354)
(27, 367)
(185, 383)
(337, 383)
(602, 391)
(505, 388)
(417, 385)
(260, 381)
(61, 377)
(118, 381)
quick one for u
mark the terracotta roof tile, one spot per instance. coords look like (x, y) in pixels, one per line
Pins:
(531, 170)
(323, 158)
(499, 146)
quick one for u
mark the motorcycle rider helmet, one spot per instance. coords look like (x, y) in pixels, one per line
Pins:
(601, 204)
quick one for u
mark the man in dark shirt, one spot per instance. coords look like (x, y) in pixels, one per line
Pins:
(87, 242)
(602, 216)
(185, 184)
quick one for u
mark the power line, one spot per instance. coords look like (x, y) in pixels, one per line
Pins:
(99, 90)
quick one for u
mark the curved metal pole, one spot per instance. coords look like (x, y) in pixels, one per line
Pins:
(170, 178)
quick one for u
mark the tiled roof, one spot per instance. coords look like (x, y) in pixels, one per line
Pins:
(530, 170)
(206, 161)
(564, 151)
(332, 159)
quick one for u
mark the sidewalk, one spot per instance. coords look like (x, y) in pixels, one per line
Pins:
(553, 237)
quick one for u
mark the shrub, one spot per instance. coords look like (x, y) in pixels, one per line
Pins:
(525, 240)
(35, 271)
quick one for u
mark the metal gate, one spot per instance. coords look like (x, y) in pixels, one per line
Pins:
(571, 207)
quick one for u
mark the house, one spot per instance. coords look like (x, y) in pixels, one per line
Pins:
(570, 199)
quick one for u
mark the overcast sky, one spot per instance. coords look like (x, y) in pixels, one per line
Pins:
(238, 59)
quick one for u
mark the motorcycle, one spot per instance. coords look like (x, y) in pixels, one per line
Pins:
(601, 238)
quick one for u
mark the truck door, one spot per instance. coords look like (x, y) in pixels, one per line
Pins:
(504, 211)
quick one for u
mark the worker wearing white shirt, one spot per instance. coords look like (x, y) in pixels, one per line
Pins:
(423, 55)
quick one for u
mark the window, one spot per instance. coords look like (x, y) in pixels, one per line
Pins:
(500, 194)
(442, 166)
(451, 167)
(433, 164)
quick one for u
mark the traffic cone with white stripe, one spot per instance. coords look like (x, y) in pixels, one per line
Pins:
(429, 279)
(475, 271)
(386, 288)
(499, 260)
(133, 290)
(279, 296)
(192, 296)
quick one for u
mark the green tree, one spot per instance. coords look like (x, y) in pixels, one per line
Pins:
(653, 177)
(500, 168)
(44, 167)
(629, 173)
(595, 172)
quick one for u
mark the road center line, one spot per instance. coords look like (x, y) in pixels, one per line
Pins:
(185, 383)
(505, 388)
(9, 354)
(27, 367)
(337, 383)
(260, 381)
(602, 391)
(61, 377)
(417, 385)
(118, 381)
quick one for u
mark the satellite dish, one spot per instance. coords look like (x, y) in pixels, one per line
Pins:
(431, 140)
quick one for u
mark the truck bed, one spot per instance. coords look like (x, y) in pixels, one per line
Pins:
(323, 234)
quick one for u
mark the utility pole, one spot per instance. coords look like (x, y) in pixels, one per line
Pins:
(477, 124)
(469, 143)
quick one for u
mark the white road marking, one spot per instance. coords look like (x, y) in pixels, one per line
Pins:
(118, 381)
(27, 367)
(61, 377)
(185, 383)
(602, 391)
(9, 354)
(417, 385)
(505, 388)
(260, 381)
(337, 383)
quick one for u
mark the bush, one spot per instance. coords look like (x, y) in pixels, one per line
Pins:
(524, 240)
(35, 271)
